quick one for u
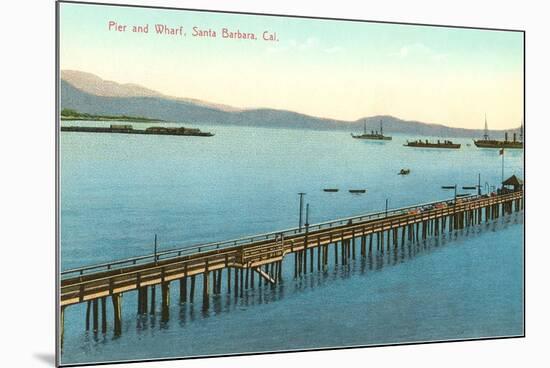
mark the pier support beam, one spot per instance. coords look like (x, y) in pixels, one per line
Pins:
(219, 289)
(192, 292)
(370, 243)
(311, 259)
(165, 287)
(229, 280)
(319, 251)
(88, 307)
(236, 283)
(183, 290)
(103, 315)
(265, 275)
(117, 313)
(241, 283)
(61, 325)
(142, 300)
(153, 299)
(205, 286)
(95, 315)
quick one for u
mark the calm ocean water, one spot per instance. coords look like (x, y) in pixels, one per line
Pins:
(117, 191)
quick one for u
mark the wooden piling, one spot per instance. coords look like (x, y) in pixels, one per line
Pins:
(311, 259)
(153, 299)
(192, 291)
(61, 325)
(205, 289)
(117, 313)
(236, 283)
(145, 297)
(214, 282)
(95, 315)
(165, 291)
(370, 243)
(103, 315)
(319, 254)
(183, 290)
(142, 300)
(241, 283)
(229, 280)
(304, 257)
(88, 307)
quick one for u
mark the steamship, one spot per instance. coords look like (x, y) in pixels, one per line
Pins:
(486, 142)
(374, 135)
(427, 144)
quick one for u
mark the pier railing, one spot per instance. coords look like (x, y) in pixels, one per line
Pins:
(227, 244)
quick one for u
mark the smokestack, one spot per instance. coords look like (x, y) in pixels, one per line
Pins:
(514, 137)
(506, 136)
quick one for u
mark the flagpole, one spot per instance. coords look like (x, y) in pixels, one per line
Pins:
(502, 181)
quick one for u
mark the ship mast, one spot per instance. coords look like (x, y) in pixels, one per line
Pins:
(521, 131)
(486, 132)
(381, 130)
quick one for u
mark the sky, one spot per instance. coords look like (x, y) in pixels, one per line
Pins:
(333, 69)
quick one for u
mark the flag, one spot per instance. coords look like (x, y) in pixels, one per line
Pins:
(501, 152)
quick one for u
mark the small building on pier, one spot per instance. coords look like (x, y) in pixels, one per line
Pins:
(512, 184)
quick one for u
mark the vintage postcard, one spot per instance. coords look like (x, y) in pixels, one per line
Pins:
(241, 183)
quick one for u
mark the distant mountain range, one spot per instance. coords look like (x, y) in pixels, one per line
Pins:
(88, 93)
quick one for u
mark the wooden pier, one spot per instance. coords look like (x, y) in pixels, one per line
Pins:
(236, 263)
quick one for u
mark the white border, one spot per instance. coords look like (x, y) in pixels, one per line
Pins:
(27, 151)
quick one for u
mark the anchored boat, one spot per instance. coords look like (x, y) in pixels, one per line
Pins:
(128, 129)
(486, 142)
(373, 135)
(427, 144)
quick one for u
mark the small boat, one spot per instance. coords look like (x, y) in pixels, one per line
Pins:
(331, 190)
(404, 172)
(357, 191)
